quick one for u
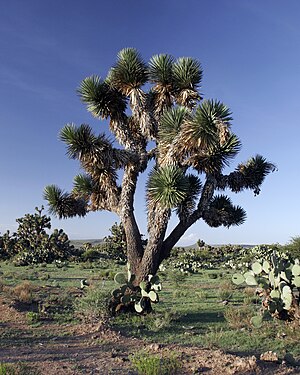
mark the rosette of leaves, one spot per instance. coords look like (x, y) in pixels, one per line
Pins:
(278, 283)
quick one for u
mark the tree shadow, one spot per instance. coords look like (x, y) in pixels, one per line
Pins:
(203, 317)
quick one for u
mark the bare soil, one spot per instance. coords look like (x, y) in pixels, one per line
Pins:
(95, 349)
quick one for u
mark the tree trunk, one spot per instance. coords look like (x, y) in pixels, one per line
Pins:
(157, 230)
(134, 243)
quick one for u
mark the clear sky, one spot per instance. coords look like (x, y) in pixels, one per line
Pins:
(250, 53)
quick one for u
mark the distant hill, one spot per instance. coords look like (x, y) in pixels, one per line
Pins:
(194, 246)
(78, 243)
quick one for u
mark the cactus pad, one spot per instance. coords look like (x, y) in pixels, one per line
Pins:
(250, 280)
(256, 321)
(120, 278)
(238, 279)
(257, 268)
(296, 270)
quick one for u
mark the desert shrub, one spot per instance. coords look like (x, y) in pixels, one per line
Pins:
(7, 245)
(93, 304)
(115, 244)
(32, 317)
(177, 277)
(179, 293)
(91, 254)
(225, 290)
(204, 257)
(18, 369)
(158, 321)
(250, 296)
(293, 247)
(155, 364)
(23, 292)
(239, 317)
(201, 294)
(242, 259)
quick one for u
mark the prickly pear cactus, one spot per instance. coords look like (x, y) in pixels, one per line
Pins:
(129, 296)
(277, 280)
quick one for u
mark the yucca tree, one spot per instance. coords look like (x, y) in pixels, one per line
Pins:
(155, 105)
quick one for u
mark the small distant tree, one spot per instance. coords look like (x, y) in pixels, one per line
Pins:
(158, 119)
(7, 245)
(293, 247)
(200, 243)
(32, 244)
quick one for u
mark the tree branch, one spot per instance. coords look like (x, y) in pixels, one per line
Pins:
(207, 194)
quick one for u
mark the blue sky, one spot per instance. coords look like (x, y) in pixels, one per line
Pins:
(249, 50)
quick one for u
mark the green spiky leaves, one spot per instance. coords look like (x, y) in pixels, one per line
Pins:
(102, 99)
(82, 185)
(187, 73)
(168, 186)
(81, 141)
(217, 156)
(221, 211)
(186, 207)
(202, 131)
(160, 69)
(130, 72)
(250, 175)
(63, 204)
(171, 122)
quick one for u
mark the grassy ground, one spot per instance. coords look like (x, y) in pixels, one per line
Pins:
(203, 309)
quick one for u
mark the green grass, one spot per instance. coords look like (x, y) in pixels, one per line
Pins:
(190, 312)
(198, 319)
(50, 274)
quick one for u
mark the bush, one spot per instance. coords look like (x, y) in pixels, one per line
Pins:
(91, 254)
(155, 364)
(7, 245)
(23, 292)
(225, 290)
(239, 317)
(293, 247)
(93, 304)
(115, 244)
(17, 369)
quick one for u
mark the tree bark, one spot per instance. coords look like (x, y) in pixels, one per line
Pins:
(157, 230)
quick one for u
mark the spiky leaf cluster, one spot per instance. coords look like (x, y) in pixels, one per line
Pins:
(63, 204)
(168, 186)
(221, 211)
(102, 100)
(129, 73)
(249, 175)
(187, 205)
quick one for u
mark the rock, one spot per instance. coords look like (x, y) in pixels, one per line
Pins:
(269, 356)
(244, 366)
(154, 347)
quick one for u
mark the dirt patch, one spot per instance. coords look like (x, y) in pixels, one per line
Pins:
(95, 349)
